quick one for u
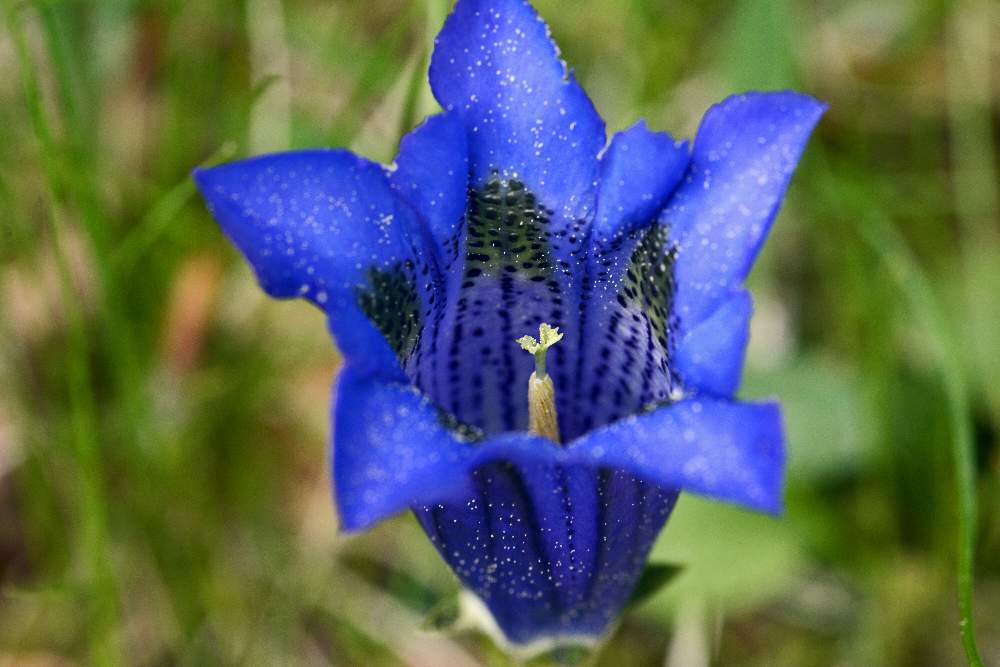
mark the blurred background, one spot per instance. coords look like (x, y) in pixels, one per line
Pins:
(164, 486)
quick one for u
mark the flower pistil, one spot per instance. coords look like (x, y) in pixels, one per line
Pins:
(542, 416)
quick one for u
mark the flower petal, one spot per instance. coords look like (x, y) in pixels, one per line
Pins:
(505, 280)
(626, 332)
(639, 171)
(533, 138)
(724, 450)
(495, 65)
(710, 357)
(325, 225)
(553, 550)
(624, 346)
(551, 538)
(432, 175)
(743, 157)
(392, 450)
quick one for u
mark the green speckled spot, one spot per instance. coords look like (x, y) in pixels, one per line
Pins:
(507, 233)
(648, 285)
(462, 431)
(391, 302)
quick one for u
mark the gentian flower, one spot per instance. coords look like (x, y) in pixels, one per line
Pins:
(506, 211)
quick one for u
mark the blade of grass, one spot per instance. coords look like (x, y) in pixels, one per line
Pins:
(377, 138)
(270, 124)
(906, 271)
(410, 99)
(99, 578)
(72, 176)
(975, 173)
(436, 13)
(381, 65)
(977, 204)
(877, 231)
(420, 102)
(71, 72)
(410, 115)
(759, 52)
(13, 234)
(157, 220)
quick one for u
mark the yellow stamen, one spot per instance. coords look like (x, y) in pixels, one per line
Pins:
(542, 417)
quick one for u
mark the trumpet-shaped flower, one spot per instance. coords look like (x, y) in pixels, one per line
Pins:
(509, 210)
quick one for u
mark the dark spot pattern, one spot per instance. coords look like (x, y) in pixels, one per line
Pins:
(391, 302)
(400, 301)
(647, 291)
(508, 269)
(505, 276)
(463, 431)
(551, 549)
(506, 234)
(625, 355)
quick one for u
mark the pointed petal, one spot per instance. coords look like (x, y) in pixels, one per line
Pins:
(391, 450)
(624, 346)
(724, 450)
(533, 138)
(639, 171)
(326, 226)
(710, 357)
(526, 117)
(432, 175)
(743, 157)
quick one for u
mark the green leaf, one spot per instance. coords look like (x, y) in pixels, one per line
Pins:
(824, 415)
(653, 579)
(395, 581)
(444, 615)
(733, 556)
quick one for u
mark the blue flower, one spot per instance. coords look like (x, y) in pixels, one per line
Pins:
(508, 210)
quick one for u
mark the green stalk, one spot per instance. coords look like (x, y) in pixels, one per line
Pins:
(74, 179)
(904, 269)
(98, 577)
(878, 233)
(157, 219)
(977, 205)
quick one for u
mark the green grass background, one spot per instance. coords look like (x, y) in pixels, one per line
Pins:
(164, 486)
